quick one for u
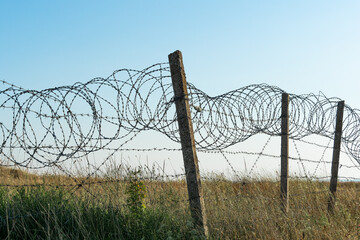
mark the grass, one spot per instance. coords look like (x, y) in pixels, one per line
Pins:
(234, 210)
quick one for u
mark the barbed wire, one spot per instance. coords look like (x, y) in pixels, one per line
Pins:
(261, 154)
(57, 124)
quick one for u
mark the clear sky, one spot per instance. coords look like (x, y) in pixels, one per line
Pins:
(299, 46)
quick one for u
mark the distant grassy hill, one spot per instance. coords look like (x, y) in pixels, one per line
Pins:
(16, 176)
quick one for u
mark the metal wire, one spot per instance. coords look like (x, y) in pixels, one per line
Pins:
(50, 126)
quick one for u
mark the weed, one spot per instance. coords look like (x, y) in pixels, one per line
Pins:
(136, 193)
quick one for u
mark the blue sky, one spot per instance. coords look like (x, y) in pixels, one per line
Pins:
(299, 46)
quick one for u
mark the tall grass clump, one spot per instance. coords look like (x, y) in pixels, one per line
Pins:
(89, 213)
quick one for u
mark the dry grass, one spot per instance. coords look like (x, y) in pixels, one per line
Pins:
(234, 210)
(253, 211)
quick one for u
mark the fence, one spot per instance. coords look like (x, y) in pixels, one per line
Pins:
(59, 127)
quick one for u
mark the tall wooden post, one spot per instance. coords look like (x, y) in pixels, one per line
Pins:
(336, 156)
(197, 205)
(284, 180)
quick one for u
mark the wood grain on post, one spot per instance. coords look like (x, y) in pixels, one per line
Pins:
(284, 180)
(336, 156)
(197, 205)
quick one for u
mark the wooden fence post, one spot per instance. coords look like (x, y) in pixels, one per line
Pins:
(284, 180)
(336, 156)
(196, 200)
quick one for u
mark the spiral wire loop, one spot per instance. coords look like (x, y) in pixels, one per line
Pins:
(51, 126)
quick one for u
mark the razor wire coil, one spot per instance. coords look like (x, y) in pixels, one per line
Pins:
(54, 125)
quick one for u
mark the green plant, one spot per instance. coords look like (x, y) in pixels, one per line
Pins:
(136, 193)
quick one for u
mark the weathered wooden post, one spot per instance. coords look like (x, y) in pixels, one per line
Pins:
(284, 180)
(196, 200)
(336, 156)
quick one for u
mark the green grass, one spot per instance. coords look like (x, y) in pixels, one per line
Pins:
(234, 210)
(40, 213)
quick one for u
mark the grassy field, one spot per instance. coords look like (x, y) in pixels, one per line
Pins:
(110, 208)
